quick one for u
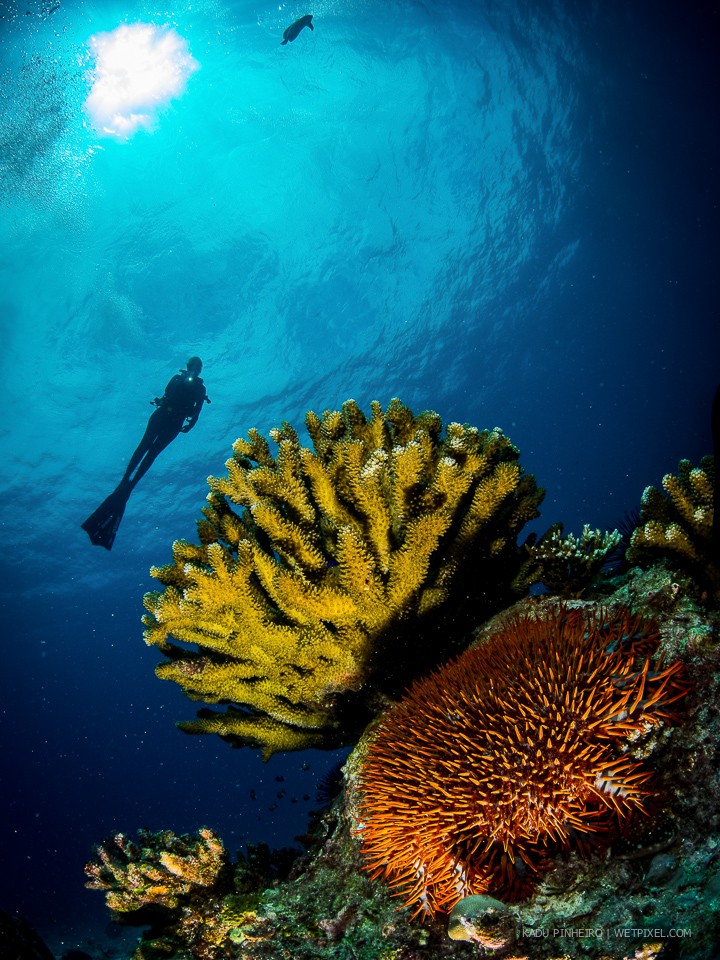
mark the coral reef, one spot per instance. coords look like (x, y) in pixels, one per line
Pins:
(329, 909)
(200, 929)
(194, 901)
(295, 599)
(483, 920)
(677, 522)
(494, 764)
(566, 565)
(156, 870)
(654, 893)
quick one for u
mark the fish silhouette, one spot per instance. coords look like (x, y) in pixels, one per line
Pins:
(294, 29)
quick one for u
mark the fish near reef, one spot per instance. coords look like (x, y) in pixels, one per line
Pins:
(294, 29)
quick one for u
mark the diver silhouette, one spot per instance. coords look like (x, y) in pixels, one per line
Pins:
(177, 412)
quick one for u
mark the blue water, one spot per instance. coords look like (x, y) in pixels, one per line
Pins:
(504, 211)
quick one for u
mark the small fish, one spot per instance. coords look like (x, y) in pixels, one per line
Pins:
(294, 29)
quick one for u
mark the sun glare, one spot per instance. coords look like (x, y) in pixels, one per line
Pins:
(138, 69)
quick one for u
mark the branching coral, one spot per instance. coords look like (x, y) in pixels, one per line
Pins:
(293, 599)
(194, 901)
(157, 870)
(677, 522)
(513, 753)
(566, 565)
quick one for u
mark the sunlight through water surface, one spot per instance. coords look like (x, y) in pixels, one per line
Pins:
(139, 68)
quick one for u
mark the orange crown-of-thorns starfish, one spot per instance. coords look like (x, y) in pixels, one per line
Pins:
(511, 754)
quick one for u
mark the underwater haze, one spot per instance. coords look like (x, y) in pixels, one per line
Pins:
(504, 211)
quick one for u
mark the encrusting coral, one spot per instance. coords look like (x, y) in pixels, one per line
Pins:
(566, 565)
(513, 753)
(677, 522)
(156, 870)
(293, 599)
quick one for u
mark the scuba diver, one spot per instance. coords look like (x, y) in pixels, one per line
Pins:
(177, 412)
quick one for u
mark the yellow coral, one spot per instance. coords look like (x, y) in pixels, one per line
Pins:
(679, 522)
(157, 869)
(291, 598)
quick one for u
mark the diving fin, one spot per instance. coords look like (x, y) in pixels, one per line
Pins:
(102, 525)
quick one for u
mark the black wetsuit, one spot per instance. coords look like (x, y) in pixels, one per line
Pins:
(182, 400)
